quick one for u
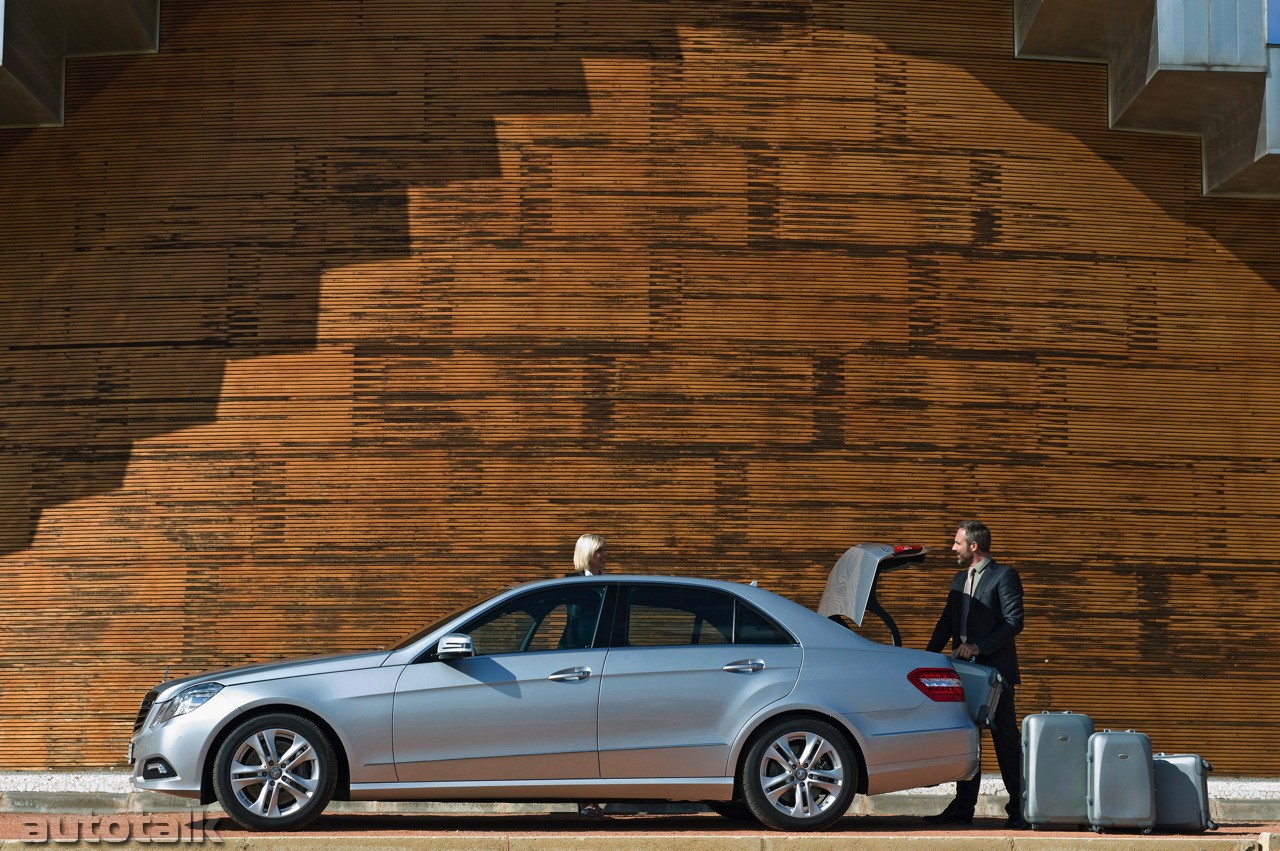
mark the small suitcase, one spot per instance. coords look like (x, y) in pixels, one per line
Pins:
(1182, 793)
(1122, 790)
(983, 686)
(1055, 768)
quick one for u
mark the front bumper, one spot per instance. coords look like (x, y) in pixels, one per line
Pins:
(183, 743)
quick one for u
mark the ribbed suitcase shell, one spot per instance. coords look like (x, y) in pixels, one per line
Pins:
(1122, 791)
(1182, 793)
(983, 686)
(1055, 768)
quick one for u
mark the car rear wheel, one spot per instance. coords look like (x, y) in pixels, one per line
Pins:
(799, 774)
(275, 772)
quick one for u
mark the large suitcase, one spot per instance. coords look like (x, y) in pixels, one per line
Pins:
(983, 686)
(1122, 790)
(1182, 793)
(1055, 768)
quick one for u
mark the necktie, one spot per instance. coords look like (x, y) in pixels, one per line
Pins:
(964, 605)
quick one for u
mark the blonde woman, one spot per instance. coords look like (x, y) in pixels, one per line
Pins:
(589, 555)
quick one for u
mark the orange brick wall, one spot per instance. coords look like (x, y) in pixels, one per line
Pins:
(332, 316)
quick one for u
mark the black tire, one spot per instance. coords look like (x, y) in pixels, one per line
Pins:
(798, 774)
(733, 810)
(275, 772)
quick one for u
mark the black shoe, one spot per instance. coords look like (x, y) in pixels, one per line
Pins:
(950, 817)
(1017, 823)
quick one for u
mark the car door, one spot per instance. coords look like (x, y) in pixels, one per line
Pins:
(688, 667)
(523, 708)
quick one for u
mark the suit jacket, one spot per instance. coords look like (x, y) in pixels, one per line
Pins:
(995, 617)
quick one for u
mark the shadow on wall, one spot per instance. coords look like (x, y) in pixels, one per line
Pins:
(185, 214)
(1066, 98)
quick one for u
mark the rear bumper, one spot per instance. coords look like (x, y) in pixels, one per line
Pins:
(906, 760)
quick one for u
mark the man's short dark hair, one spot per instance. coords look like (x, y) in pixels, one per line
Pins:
(976, 532)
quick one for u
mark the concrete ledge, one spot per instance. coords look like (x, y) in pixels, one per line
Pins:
(568, 832)
(1233, 800)
(669, 842)
(1222, 810)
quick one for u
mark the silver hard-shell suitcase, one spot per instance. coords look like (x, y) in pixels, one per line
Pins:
(1055, 768)
(1182, 793)
(1122, 790)
(983, 686)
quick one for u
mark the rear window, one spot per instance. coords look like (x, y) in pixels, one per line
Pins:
(754, 628)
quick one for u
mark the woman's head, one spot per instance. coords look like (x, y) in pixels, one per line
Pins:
(589, 554)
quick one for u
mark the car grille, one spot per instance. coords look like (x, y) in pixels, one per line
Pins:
(144, 711)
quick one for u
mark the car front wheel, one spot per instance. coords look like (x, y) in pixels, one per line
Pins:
(275, 772)
(799, 774)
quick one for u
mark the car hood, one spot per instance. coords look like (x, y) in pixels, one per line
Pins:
(330, 664)
(851, 580)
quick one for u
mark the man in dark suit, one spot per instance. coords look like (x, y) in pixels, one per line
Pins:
(982, 616)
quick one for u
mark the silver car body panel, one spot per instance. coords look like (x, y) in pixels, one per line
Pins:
(333, 663)
(700, 694)
(653, 788)
(516, 716)
(906, 739)
(849, 584)
(848, 588)
(354, 703)
(443, 721)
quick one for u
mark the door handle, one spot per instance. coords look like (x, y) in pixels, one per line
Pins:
(745, 666)
(570, 675)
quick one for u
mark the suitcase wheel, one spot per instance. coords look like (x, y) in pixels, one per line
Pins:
(1213, 825)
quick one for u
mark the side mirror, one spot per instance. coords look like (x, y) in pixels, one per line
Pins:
(455, 645)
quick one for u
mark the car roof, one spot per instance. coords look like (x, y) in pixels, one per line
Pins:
(806, 624)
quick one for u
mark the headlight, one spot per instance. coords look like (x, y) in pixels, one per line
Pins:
(186, 700)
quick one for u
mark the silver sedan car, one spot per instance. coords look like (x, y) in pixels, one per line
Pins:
(593, 688)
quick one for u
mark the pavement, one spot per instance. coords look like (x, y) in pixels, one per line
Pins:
(88, 808)
(569, 832)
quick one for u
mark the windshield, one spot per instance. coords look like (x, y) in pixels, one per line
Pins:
(426, 630)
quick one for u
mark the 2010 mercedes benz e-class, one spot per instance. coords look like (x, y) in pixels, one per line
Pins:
(593, 688)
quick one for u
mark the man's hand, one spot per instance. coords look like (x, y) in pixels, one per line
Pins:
(968, 650)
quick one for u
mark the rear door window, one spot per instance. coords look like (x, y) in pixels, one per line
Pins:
(681, 615)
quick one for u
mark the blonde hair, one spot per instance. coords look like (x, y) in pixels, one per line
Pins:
(585, 549)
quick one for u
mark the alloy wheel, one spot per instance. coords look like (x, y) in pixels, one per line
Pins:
(799, 774)
(275, 772)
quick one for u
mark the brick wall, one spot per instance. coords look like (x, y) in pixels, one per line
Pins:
(333, 316)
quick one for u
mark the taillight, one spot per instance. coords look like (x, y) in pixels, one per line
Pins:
(907, 549)
(938, 684)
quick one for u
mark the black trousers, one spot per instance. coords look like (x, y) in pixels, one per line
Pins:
(1008, 746)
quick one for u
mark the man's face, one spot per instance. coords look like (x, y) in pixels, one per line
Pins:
(964, 550)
